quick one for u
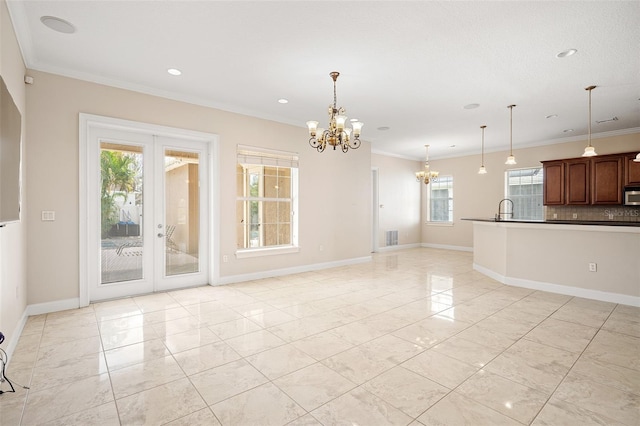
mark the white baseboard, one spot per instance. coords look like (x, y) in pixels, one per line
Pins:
(447, 247)
(15, 336)
(398, 247)
(55, 306)
(288, 271)
(603, 296)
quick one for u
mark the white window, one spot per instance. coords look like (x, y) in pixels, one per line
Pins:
(441, 199)
(524, 188)
(267, 198)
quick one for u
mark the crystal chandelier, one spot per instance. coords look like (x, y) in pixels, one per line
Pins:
(426, 175)
(337, 134)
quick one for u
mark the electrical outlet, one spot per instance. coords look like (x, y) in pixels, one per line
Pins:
(320, 247)
(575, 215)
(225, 258)
(593, 267)
(555, 215)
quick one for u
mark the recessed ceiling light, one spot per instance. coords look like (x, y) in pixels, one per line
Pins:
(57, 24)
(384, 128)
(174, 71)
(566, 53)
(283, 101)
(353, 120)
(567, 131)
(471, 106)
(552, 116)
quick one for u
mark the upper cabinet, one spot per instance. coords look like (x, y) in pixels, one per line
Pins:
(586, 181)
(606, 181)
(631, 170)
(553, 175)
(577, 181)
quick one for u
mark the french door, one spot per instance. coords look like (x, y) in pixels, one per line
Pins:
(147, 212)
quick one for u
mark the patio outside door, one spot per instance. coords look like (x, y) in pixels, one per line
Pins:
(149, 222)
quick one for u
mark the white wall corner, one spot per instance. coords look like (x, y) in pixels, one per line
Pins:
(15, 336)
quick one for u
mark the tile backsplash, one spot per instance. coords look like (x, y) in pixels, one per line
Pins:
(594, 213)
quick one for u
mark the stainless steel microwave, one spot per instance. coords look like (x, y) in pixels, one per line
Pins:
(632, 196)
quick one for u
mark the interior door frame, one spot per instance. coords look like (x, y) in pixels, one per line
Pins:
(89, 121)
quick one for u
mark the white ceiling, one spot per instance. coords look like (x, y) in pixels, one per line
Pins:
(410, 66)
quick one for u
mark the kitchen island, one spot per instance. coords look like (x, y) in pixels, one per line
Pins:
(560, 257)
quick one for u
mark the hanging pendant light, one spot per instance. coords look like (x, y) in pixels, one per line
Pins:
(637, 159)
(482, 170)
(511, 159)
(589, 150)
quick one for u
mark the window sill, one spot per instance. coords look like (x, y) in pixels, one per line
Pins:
(439, 223)
(266, 251)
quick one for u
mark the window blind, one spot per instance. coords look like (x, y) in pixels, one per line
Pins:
(266, 157)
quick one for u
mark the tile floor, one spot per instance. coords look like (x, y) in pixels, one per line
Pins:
(414, 337)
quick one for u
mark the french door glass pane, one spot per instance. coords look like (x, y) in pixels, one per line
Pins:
(121, 212)
(182, 206)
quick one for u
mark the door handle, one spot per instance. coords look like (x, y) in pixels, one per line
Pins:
(160, 235)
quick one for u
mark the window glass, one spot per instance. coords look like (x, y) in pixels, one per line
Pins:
(266, 198)
(441, 199)
(524, 188)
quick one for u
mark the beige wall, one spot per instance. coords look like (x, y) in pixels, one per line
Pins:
(13, 282)
(400, 195)
(334, 197)
(478, 195)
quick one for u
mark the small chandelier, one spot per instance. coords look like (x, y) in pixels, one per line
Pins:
(337, 134)
(426, 175)
(589, 150)
(482, 170)
(511, 159)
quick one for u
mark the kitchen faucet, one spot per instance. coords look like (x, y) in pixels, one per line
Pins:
(500, 214)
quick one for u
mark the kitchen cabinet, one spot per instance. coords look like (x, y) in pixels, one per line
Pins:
(553, 172)
(577, 176)
(606, 180)
(632, 170)
(596, 180)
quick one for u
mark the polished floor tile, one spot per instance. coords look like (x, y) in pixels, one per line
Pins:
(314, 385)
(265, 405)
(160, 404)
(440, 368)
(514, 400)
(407, 391)
(360, 407)
(279, 361)
(455, 409)
(415, 337)
(223, 382)
(619, 405)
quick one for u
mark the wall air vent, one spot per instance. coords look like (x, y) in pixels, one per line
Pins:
(392, 238)
(607, 120)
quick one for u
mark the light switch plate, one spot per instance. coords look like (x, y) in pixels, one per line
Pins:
(48, 216)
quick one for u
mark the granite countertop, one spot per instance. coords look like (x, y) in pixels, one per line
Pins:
(558, 222)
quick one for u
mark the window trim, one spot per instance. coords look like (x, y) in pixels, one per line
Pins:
(429, 220)
(506, 189)
(267, 157)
